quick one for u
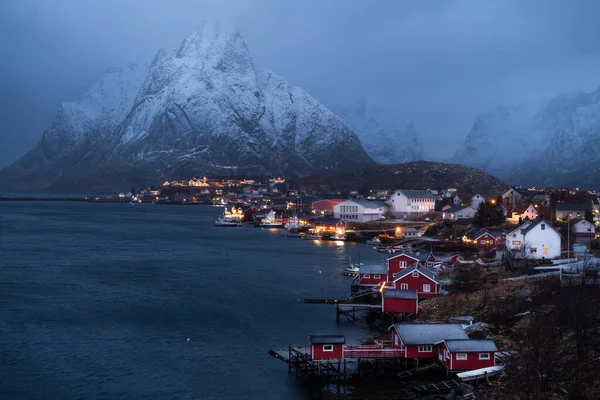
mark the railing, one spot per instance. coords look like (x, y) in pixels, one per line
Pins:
(371, 351)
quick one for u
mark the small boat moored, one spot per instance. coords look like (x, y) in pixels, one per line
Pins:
(374, 241)
(481, 373)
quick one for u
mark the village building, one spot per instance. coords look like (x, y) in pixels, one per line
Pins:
(534, 240)
(418, 278)
(458, 212)
(467, 354)
(567, 211)
(411, 204)
(327, 347)
(330, 225)
(582, 228)
(325, 206)
(511, 198)
(481, 238)
(522, 212)
(358, 210)
(412, 232)
(422, 340)
(372, 275)
(399, 301)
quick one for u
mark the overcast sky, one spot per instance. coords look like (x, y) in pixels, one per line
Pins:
(439, 63)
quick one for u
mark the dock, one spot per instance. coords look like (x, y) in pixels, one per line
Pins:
(347, 307)
(418, 369)
(437, 386)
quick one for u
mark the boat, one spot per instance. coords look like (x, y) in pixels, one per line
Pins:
(336, 237)
(293, 225)
(480, 373)
(311, 236)
(227, 222)
(267, 223)
(374, 240)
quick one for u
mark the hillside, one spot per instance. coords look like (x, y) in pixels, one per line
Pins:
(412, 175)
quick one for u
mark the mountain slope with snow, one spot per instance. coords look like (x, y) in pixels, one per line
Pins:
(384, 135)
(205, 109)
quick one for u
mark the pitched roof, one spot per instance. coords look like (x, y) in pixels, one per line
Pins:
(422, 270)
(573, 207)
(455, 208)
(376, 269)
(521, 208)
(417, 194)
(535, 223)
(467, 345)
(327, 339)
(327, 221)
(368, 203)
(575, 221)
(524, 225)
(415, 334)
(414, 256)
(400, 294)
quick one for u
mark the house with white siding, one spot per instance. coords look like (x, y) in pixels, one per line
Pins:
(358, 210)
(534, 240)
(455, 212)
(523, 212)
(411, 204)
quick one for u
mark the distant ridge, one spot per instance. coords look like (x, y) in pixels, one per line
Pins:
(412, 175)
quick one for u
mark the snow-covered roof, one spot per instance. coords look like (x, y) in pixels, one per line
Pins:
(327, 339)
(468, 345)
(417, 194)
(400, 294)
(415, 334)
(422, 270)
(373, 269)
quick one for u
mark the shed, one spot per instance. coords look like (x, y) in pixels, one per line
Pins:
(421, 340)
(468, 354)
(399, 301)
(326, 347)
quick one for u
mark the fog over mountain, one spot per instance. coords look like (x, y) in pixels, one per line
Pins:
(441, 68)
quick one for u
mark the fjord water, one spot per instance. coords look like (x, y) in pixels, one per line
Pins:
(98, 301)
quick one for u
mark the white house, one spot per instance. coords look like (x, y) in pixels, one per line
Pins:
(567, 211)
(523, 211)
(582, 227)
(410, 204)
(355, 210)
(476, 200)
(455, 212)
(534, 239)
(511, 198)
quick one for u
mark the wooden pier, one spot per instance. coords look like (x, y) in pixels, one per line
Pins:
(298, 359)
(347, 307)
(437, 386)
(418, 369)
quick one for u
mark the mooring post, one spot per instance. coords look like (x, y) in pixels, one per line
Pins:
(318, 368)
(344, 368)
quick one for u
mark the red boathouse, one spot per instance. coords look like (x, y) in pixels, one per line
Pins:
(326, 347)
(422, 340)
(467, 354)
(399, 301)
(418, 278)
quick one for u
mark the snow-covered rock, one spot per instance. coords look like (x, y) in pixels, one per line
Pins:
(556, 145)
(387, 137)
(205, 109)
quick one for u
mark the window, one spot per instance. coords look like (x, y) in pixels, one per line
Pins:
(402, 264)
(482, 241)
(484, 356)
(516, 242)
(327, 347)
(415, 274)
(461, 356)
(426, 288)
(533, 250)
(514, 235)
(404, 286)
(376, 276)
(367, 276)
(545, 251)
(425, 349)
(543, 226)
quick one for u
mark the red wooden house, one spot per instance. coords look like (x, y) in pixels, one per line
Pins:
(329, 225)
(481, 239)
(422, 340)
(324, 347)
(371, 275)
(250, 212)
(399, 301)
(418, 278)
(399, 263)
(467, 354)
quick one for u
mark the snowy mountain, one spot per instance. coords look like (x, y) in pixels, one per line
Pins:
(554, 146)
(384, 135)
(205, 109)
(500, 140)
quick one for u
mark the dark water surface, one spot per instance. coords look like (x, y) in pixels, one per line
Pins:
(97, 301)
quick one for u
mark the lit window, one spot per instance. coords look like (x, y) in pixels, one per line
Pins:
(461, 356)
(545, 251)
(484, 356)
(425, 349)
(327, 347)
(516, 242)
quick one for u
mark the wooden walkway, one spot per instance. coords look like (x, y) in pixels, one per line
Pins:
(418, 370)
(437, 386)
